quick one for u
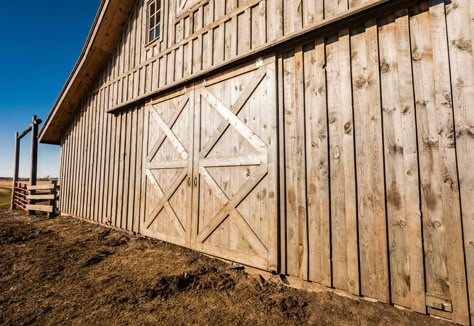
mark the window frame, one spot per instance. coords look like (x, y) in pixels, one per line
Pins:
(149, 41)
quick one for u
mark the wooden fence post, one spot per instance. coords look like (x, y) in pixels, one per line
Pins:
(16, 168)
(34, 151)
(53, 202)
(34, 155)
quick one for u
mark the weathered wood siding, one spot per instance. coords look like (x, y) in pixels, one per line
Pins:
(102, 166)
(375, 141)
(213, 33)
(376, 144)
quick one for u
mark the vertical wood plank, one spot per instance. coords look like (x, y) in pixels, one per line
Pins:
(317, 160)
(460, 27)
(115, 192)
(342, 174)
(297, 234)
(313, 12)
(370, 167)
(401, 167)
(139, 193)
(283, 261)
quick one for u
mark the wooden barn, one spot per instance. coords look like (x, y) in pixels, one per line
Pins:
(329, 141)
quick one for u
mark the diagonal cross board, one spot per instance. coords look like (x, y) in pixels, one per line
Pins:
(234, 214)
(177, 112)
(166, 205)
(230, 115)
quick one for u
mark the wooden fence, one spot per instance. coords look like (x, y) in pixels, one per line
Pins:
(19, 195)
(39, 198)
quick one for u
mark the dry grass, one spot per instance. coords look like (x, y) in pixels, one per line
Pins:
(8, 183)
(5, 183)
(5, 197)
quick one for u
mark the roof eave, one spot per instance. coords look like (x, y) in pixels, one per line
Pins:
(101, 42)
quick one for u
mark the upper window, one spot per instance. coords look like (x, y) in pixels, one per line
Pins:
(154, 20)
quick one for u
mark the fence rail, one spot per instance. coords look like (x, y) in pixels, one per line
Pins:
(19, 197)
(39, 198)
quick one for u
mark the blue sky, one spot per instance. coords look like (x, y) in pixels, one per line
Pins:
(39, 45)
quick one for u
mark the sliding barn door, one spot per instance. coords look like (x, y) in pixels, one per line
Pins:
(169, 141)
(235, 183)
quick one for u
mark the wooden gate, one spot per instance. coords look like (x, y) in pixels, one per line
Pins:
(212, 175)
(169, 168)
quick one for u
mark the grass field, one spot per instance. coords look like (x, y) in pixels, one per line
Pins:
(5, 194)
(5, 197)
(5, 183)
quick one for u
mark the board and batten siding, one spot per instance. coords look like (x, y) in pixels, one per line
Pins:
(101, 166)
(375, 141)
(378, 153)
(213, 33)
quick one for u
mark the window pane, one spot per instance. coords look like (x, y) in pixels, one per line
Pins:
(158, 5)
(152, 22)
(152, 8)
(157, 30)
(150, 36)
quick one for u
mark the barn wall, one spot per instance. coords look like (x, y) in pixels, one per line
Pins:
(101, 166)
(376, 149)
(376, 158)
(213, 33)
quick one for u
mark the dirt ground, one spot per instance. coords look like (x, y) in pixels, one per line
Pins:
(65, 271)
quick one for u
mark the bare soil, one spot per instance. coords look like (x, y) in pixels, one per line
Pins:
(65, 271)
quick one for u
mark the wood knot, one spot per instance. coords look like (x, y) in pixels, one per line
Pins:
(406, 109)
(361, 82)
(417, 56)
(422, 104)
(463, 45)
(337, 153)
(396, 148)
(348, 128)
(385, 67)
